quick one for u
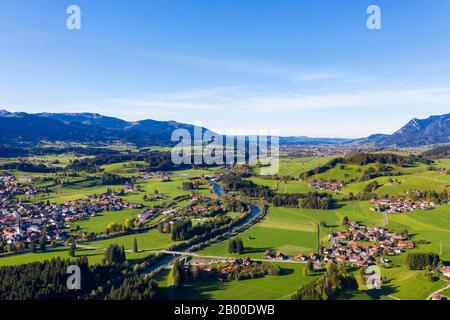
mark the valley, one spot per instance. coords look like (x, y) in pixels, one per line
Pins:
(153, 213)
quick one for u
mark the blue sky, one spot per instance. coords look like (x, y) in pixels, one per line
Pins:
(300, 67)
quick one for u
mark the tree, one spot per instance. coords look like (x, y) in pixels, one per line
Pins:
(420, 261)
(178, 274)
(235, 246)
(114, 255)
(345, 221)
(231, 246)
(112, 227)
(20, 247)
(32, 247)
(135, 246)
(239, 245)
(331, 267)
(309, 266)
(42, 240)
(72, 249)
(362, 274)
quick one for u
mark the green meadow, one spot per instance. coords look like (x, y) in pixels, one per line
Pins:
(150, 240)
(267, 288)
(100, 221)
(94, 256)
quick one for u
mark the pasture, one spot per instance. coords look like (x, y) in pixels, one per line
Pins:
(266, 288)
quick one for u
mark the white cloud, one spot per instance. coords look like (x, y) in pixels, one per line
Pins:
(262, 68)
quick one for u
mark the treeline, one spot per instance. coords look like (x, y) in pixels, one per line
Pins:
(155, 161)
(323, 168)
(430, 195)
(438, 152)
(27, 167)
(232, 204)
(255, 270)
(380, 170)
(336, 280)
(191, 185)
(113, 179)
(48, 281)
(368, 158)
(422, 261)
(8, 152)
(183, 229)
(385, 158)
(310, 200)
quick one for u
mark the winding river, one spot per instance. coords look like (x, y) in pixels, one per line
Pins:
(166, 261)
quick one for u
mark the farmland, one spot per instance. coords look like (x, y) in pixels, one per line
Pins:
(289, 230)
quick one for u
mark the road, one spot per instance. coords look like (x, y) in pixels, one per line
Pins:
(438, 291)
(197, 255)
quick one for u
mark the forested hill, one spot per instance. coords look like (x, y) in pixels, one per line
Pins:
(19, 129)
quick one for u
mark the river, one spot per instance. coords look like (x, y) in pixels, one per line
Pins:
(166, 261)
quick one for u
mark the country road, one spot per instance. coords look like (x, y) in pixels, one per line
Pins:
(438, 291)
(192, 254)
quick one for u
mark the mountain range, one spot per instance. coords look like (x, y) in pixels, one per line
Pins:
(22, 129)
(419, 132)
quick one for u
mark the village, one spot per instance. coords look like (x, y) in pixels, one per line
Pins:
(326, 185)
(10, 187)
(148, 175)
(21, 221)
(352, 246)
(400, 205)
(26, 221)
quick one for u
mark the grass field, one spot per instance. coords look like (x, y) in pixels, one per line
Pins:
(293, 231)
(126, 169)
(290, 166)
(94, 256)
(288, 187)
(151, 240)
(430, 180)
(99, 222)
(267, 288)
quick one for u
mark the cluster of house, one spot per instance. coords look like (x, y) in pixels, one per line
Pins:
(164, 176)
(352, 246)
(322, 150)
(271, 255)
(400, 205)
(226, 266)
(10, 187)
(203, 207)
(360, 245)
(148, 214)
(131, 188)
(326, 185)
(26, 221)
